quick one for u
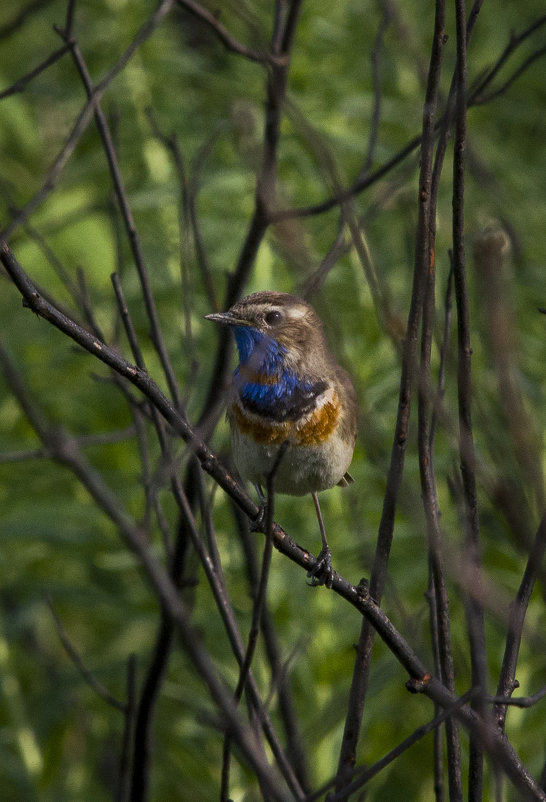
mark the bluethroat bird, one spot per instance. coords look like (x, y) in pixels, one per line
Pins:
(289, 388)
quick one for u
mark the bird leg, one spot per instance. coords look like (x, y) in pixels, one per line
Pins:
(322, 572)
(258, 523)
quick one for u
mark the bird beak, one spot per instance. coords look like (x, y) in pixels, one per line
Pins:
(220, 317)
(227, 318)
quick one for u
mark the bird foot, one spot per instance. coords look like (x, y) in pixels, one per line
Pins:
(322, 572)
(257, 524)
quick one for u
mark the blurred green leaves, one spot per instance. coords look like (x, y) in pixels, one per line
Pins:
(59, 741)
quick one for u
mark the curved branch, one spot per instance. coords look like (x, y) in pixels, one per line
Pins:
(476, 97)
(281, 47)
(84, 118)
(229, 41)
(20, 84)
(422, 263)
(495, 742)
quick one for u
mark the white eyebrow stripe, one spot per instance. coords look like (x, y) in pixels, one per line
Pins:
(295, 312)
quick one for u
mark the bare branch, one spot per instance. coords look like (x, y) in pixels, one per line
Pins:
(84, 118)
(67, 454)
(87, 675)
(125, 758)
(365, 181)
(21, 83)
(477, 95)
(281, 47)
(22, 16)
(229, 41)
(507, 679)
(257, 611)
(409, 358)
(519, 701)
(496, 743)
(363, 775)
(132, 234)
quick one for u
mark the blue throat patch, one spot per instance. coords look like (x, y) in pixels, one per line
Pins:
(266, 354)
(283, 395)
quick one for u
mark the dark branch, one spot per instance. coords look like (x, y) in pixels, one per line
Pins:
(22, 82)
(497, 744)
(76, 658)
(409, 360)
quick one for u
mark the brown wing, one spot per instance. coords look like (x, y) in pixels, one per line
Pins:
(349, 422)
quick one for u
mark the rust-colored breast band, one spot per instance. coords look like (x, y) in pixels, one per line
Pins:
(314, 430)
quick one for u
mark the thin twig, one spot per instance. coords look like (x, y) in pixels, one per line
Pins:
(70, 15)
(396, 467)
(280, 678)
(518, 609)
(83, 441)
(518, 701)
(20, 84)
(23, 13)
(281, 49)
(496, 743)
(84, 118)
(257, 610)
(474, 609)
(444, 351)
(483, 99)
(377, 93)
(365, 181)
(149, 490)
(132, 233)
(436, 588)
(363, 775)
(438, 759)
(76, 658)
(123, 788)
(68, 455)
(355, 189)
(229, 41)
(476, 96)
(188, 227)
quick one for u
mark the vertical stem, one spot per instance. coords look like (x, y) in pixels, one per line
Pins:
(281, 45)
(124, 778)
(518, 609)
(409, 361)
(130, 228)
(257, 610)
(474, 610)
(430, 503)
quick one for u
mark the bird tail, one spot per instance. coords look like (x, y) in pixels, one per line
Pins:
(346, 480)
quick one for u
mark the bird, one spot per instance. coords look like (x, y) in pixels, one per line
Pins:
(289, 392)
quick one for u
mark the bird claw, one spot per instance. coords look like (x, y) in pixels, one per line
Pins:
(322, 572)
(257, 524)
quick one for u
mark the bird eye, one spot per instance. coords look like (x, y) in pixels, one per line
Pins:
(272, 317)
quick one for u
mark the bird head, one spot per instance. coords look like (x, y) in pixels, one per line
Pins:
(275, 330)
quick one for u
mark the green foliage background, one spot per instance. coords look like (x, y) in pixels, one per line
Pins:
(58, 740)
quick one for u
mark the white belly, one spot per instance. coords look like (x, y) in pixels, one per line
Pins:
(303, 468)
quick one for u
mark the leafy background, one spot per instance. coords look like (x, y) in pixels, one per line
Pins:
(58, 739)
